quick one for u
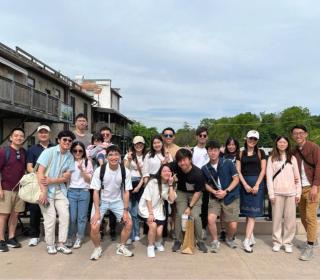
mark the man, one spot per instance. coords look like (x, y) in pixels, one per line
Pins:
(114, 187)
(308, 157)
(222, 184)
(55, 167)
(168, 136)
(81, 133)
(189, 191)
(43, 135)
(200, 158)
(12, 168)
(107, 136)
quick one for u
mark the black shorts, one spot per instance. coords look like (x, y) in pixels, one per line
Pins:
(158, 222)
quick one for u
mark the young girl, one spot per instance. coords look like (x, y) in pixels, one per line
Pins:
(251, 166)
(151, 207)
(96, 152)
(79, 195)
(284, 188)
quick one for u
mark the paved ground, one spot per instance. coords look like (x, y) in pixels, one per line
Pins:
(35, 263)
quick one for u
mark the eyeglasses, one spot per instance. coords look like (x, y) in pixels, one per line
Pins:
(203, 135)
(18, 155)
(77, 151)
(298, 133)
(66, 140)
(253, 139)
(105, 134)
(168, 135)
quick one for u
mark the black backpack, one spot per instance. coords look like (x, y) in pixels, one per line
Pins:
(7, 152)
(103, 171)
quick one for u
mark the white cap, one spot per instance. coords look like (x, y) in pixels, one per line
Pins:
(138, 139)
(47, 128)
(253, 133)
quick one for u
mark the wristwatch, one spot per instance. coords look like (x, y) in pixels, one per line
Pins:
(190, 206)
(227, 191)
(126, 209)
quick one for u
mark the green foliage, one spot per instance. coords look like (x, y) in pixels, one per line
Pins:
(185, 136)
(138, 128)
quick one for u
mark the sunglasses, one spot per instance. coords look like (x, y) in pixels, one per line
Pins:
(18, 155)
(77, 151)
(203, 135)
(105, 134)
(253, 138)
(168, 135)
(66, 140)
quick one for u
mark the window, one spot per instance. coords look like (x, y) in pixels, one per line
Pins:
(31, 82)
(57, 93)
(73, 105)
(48, 91)
(85, 109)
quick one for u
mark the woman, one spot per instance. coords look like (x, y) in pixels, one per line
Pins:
(284, 188)
(134, 162)
(79, 195)
(251, 166)
(151, 207)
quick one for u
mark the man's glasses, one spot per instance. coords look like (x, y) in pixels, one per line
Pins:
(168, 135)
(203, 135)
(18, 155)
(77, 151)
(69, 140)
(298, 133)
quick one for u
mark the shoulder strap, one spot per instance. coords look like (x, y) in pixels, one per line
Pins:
(279, 171)
(86, 163)
(102, 172)
(304, 159)
(123, 175)
(138, 166)
(7, 154)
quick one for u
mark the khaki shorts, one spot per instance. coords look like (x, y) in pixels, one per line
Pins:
(10, 202)
(230, 212)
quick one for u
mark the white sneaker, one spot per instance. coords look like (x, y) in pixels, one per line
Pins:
(124, 251)
(69, 243)
(288, 249)
(159, 246)
(97, 252)
(77, 244)
(276, 247)
(34, 241)
(252, 241)
(51, 249)
(150, 252)
(136, 238)
(129, 241)
(64, 250)
(246, 246)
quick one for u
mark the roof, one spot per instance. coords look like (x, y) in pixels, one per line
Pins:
(111, 111)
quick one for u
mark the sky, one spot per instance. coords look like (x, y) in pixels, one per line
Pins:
(179, 61)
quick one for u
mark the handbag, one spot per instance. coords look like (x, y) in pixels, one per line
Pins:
(29, 188)
(188, 241)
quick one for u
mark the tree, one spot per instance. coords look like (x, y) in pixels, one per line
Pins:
(186, 136)
(138, 128)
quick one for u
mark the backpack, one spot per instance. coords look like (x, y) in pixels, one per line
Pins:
(7, 153)
(103, 171)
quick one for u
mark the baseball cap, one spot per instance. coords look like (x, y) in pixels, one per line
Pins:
(47, 128)
(253, 133)
(138, 139)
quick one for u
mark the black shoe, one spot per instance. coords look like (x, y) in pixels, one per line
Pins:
(3, 246)
(13, 243)
(202, 247)
(222, 236)
(176, 246)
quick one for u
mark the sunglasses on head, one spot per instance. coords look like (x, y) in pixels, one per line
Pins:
(168, 135)
(69, 140)
(203, 135)
(253, 138)
(77, 151)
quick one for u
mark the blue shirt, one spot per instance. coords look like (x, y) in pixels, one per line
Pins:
(59, 164)
(225, 172)
(34, 152)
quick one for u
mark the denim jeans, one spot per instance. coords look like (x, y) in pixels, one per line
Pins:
(134, 206)
(78, 207)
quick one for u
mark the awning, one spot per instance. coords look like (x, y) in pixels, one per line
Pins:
(13, 66)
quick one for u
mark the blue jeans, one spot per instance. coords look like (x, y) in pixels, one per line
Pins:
(78, 207)
(134, 206)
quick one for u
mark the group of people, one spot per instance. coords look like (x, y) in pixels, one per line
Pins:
(84, 177)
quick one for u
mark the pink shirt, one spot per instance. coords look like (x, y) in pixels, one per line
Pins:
(287, 182)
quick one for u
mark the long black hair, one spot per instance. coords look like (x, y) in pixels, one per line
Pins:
(134, 153)
(152, 150)
(236, 142)
(79, 143)
(159, 178)
(276, 153)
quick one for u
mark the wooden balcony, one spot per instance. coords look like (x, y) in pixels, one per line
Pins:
(16, 98)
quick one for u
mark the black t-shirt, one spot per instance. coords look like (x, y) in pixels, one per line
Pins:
(251, 165)
(191, 182)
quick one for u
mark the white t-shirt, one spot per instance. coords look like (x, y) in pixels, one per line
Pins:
(133, 166)
(200, 156)
(304, 179)
(151, 193)
(77, 180)
(112, 183)
(151, 165)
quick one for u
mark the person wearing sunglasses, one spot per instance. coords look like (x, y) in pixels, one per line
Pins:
(251, 166)
(12, 168)
(81, 132)
(79, 195)
(55, 167)
(168, 136)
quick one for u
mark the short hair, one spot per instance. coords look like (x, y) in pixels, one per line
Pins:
(17, 129)
(66, 133)
(168, 128)
(182, 154)
(213, 144)
(113, 148)
(299, 126)
(201, 129)
(81, 116)
(105, 128)
(96, 136)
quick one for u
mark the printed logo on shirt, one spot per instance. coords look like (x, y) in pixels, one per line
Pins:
(189, 187)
